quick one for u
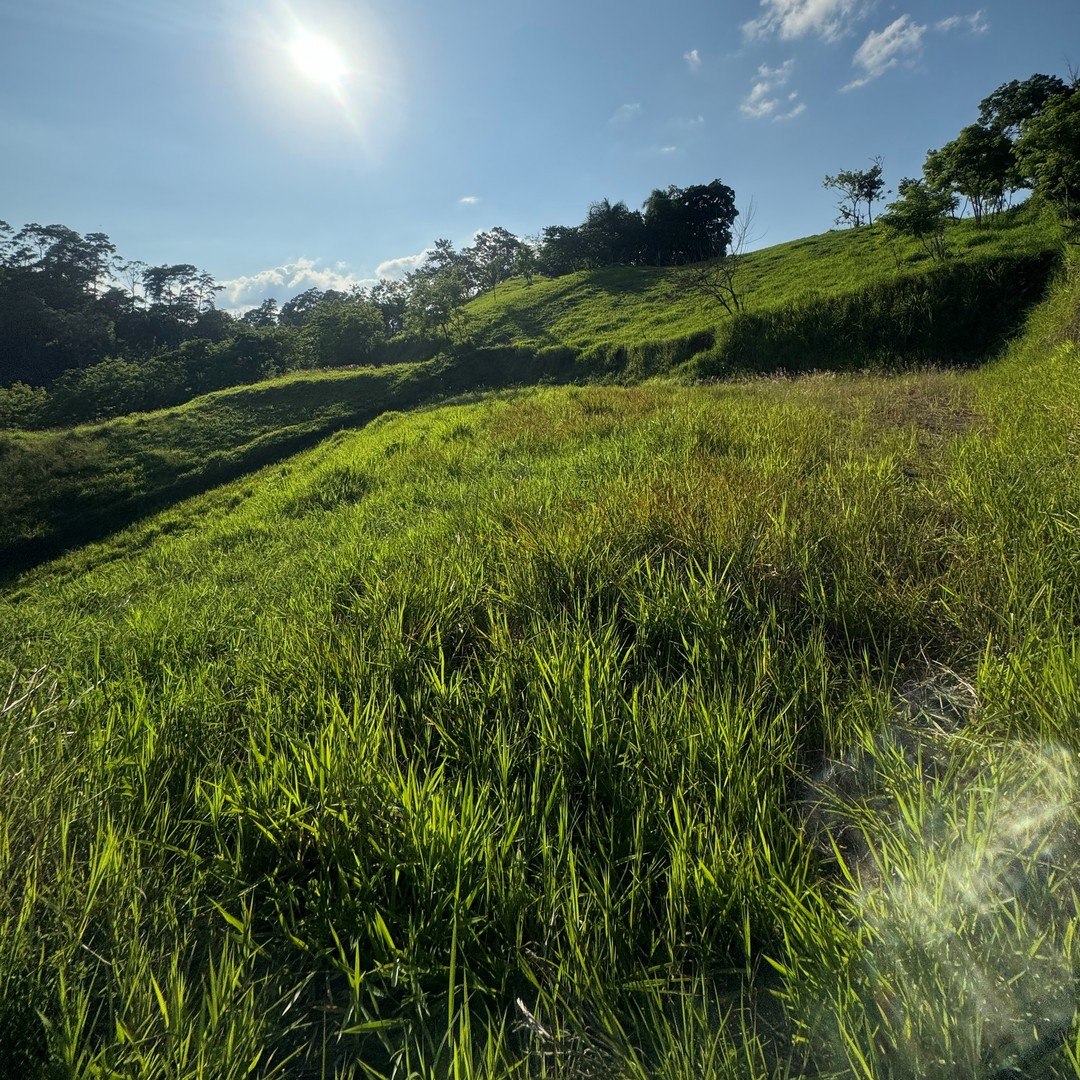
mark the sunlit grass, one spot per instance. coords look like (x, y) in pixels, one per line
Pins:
(603, 731)
(625, 306)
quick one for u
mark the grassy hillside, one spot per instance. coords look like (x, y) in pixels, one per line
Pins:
(652, 731)
(842, 301)
(626, 306)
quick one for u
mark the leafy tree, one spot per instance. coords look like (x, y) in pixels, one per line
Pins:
(65, 256)
(525, 261)
(21, 406)
(1048, 152)
(922, 213)
(182, 290)
(250, 354)
(266, 314)
(7, 244)
(978, 164)
(345, 331)
(297, 311)
(490, 260)
(709, 214)
(436, 302)
(391, 297)
(613, 235)
(562, 250)
(685, 225)
(1012, 103)
(856, 187)
(131, 274)
(214, 325)
(663, 226)
(442, 256)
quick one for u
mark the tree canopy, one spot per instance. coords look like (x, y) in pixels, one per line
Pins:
(857, 187)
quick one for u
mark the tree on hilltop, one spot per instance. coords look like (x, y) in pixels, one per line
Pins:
(1048, 152)
(977, 165)
(1013, 103)
(687, 225)
(856, 187)
(921, 212)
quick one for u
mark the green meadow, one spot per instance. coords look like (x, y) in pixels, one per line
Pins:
(843, 301)
(622, 726)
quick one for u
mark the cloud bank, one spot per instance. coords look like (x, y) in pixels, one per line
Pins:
(285, 281)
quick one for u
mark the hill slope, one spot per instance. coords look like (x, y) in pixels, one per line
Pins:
(628, 731)
(841, 301)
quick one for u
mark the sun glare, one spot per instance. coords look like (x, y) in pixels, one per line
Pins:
(319, 60)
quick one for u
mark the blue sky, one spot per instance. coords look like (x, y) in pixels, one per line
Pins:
(205, 131)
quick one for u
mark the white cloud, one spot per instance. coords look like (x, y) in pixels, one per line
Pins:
(469, 200)
(973, 24)
(791, 113)
(285, 281)
(900, 42)
(827, 19)
(693, 59)
(765, 99)
(688, 122)
(624, 114)
(668, 149)
(396, 269)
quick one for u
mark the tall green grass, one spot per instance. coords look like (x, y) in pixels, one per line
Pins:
(597, 731)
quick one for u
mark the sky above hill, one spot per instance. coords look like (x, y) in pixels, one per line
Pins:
(284, 144)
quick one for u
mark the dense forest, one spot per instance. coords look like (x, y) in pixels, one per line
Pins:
(86, 334)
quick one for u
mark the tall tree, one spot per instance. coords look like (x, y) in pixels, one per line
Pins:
(562, 250)
(689, 224)
(1012, 103)
(709, 213)
(1048, 152)
(663, 226)
(612, 234)
(345, 331)
(391, 298)
(436, 302)
(490, 259)
(525, 261)
(297, 311)
(978, 165)
(263, 315)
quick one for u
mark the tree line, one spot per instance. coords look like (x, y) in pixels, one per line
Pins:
(1027, 138)
(85, 333)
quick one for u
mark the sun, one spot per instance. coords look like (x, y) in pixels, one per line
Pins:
(319, 60)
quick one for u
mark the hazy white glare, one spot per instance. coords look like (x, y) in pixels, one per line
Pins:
(319, 59)
(309, 75)
(965, 869)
